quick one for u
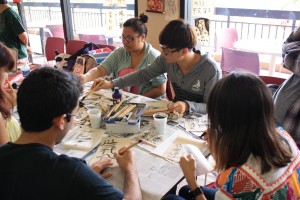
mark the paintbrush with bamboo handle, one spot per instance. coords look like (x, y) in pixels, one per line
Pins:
(92, 90)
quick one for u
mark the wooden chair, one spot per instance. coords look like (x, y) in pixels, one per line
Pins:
(74, 45)
(235, 60)
(54, 44)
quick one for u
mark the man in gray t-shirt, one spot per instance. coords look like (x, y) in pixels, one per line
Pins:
(191, 73)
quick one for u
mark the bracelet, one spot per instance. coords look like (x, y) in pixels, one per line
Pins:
(196, 192)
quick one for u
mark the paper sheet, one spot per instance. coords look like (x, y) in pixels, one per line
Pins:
(84, 138)
(156, 175)
(202, 165)
(107, 148)
(61, 149)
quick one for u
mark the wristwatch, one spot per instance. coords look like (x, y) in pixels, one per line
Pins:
(195, 192)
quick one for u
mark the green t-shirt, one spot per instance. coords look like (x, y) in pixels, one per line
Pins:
(10, 27)
(120, 59)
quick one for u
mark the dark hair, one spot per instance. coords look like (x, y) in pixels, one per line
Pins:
(241, 122)
(6, 60)
(3, 1)
(138, 24)
(178, 34)
(44, 94)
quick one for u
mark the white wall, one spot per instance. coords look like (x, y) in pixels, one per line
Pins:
(157, 21)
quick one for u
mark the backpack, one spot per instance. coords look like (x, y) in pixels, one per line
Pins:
(83, 59)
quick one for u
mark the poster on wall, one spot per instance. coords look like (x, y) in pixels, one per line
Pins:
(171, 10)
(203, 8)
(109, 2)
(155, 6)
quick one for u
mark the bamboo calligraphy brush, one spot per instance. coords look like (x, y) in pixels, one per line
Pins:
(122, 151)
(92, 90)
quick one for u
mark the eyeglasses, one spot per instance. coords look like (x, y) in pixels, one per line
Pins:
(68, 116)
(169, 52)
(129, 38)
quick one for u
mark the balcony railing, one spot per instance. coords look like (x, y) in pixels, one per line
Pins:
(84, 15)
(250, 23)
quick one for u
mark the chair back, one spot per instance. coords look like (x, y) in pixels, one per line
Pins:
(132, 89)
(169, 90)
(57, 30)
(272, 80)
(225, 38)
(96, 39)
(54, 44)
(233, 59)
(74, 45)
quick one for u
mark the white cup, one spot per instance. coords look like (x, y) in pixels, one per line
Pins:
(160, 122)
(95, 117)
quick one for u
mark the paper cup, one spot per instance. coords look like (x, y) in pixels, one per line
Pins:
(95, 117)
(160, 122)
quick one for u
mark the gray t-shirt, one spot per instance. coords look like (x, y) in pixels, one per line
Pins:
(285, 96)
(193, 87)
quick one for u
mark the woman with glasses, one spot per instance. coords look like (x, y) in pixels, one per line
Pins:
(192, 74)
(9, 126)
(134, 56)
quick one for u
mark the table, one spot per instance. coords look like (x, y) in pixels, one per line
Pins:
(265, 47)
(157, 175)
(113, 37)
(41, 26)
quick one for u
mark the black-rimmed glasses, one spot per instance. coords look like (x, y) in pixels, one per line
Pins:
(169, 52)
(69, 115)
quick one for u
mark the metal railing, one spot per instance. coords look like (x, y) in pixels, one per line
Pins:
(250, 23)
(254, 24)
(84, 15)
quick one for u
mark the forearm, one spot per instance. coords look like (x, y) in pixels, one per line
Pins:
(132, 188)
(23, 38)
(94, 74)
(156, 91)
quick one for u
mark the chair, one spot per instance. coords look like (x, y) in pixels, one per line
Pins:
(74, 45)
(132, 89)
(169, 90)
(55, 30)
(233, 59)
(97, 39)
(225, 38)
(272, 80)
(54, 44)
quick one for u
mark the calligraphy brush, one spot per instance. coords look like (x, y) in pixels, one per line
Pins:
(122, 151)
(92, 90)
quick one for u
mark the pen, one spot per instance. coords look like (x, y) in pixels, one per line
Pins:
(129, 147)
